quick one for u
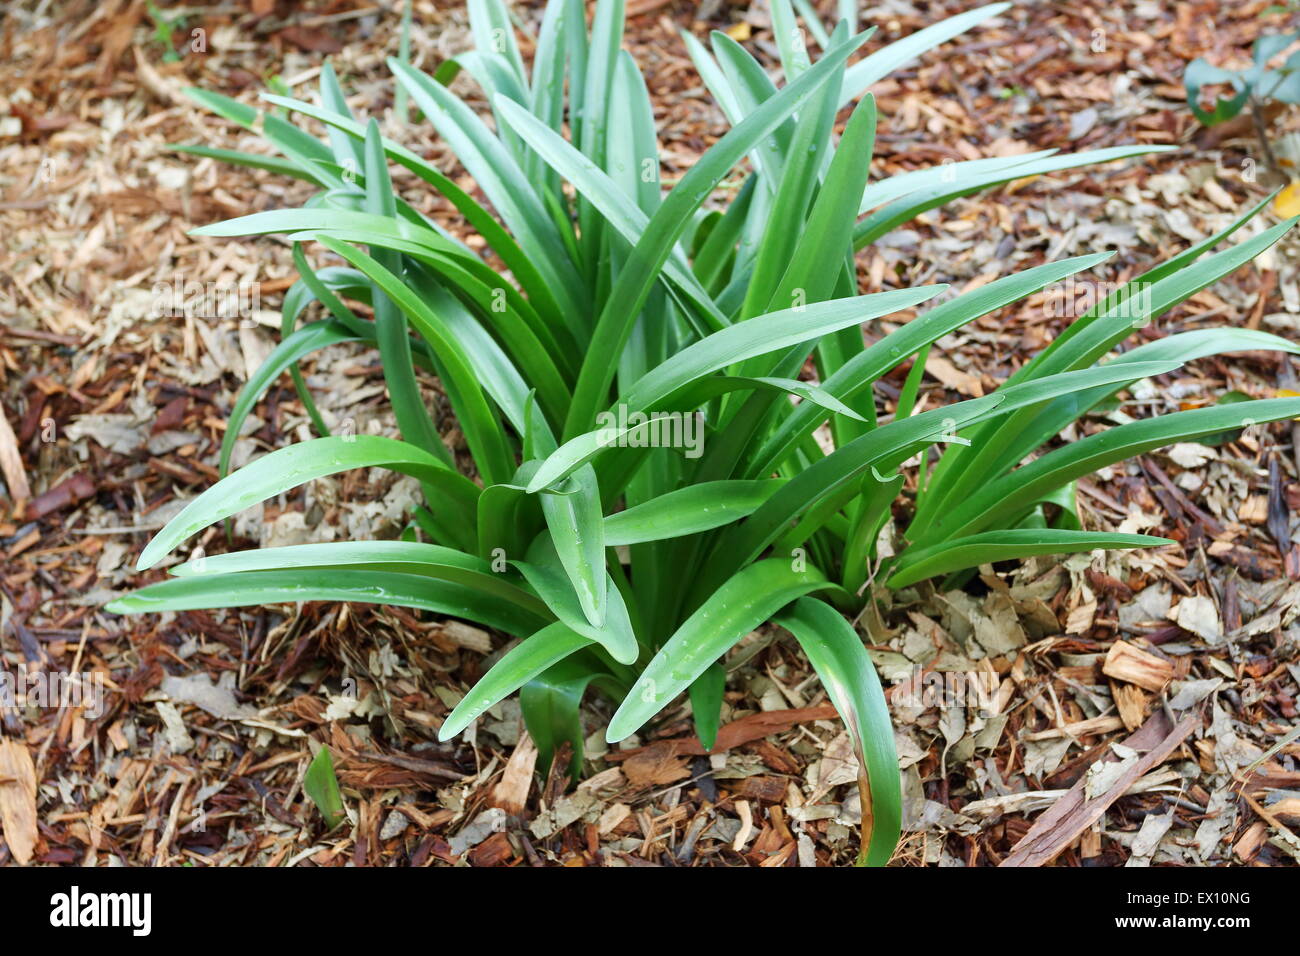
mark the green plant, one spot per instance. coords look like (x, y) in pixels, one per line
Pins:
(1250, 86)
(164, 32)
(624, 565)
(1264, 90)
(322, 787)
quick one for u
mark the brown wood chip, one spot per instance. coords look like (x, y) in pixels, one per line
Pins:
(1066, 819)
(18, 799)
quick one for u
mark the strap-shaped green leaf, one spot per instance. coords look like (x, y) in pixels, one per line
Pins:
(917, 564)
(548, 577)
(501, 179)
(500, 240)
(908, 207)
(689, 510)
(734, 344)
(840, 660)
(244, 588)
(706, 703)
(235, 157)
(620, 212)
(744, 602)
(824, 478)
(460, 379)
(880, 64)
(550, 705)
(1002, 499)
(522, 663)
(289, 467)
(404, 557)
(578, 531)
(992, 447)
(346, 150)
(308, 339)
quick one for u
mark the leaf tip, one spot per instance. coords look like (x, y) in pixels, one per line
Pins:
(621, 725)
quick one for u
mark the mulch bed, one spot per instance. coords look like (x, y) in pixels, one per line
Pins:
(1122, 703)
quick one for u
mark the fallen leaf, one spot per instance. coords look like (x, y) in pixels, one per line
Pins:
(1198, 615)
(1287, 203)
(217, 699)
(953, 377)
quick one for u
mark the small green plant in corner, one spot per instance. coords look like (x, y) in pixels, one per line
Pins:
(164, 32)
(627, 563)
(1270, 84)
(322, 787)
(1249, 87)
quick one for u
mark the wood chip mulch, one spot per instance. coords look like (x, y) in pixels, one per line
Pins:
(1086, 712)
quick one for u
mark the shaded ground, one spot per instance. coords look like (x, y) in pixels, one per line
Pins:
(210, 718)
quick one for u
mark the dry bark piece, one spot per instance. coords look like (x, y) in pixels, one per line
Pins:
(1131, 703)
(1250, 842)
(763, 789)
(313, 41)
(656, 765)
(466, 636)
(1062, 824)
(511, 791)
(1288, 809)
(18, 799)
(1080, 728)
(68, 492)
(11, 463)
(493, 851)
(1131, 664)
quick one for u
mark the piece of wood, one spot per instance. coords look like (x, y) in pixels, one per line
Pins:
(1080, 728)
(65, 493)
(18, 799)
(1249, 843)
(1131, 703)
(11, 462)
(511, 791)
(763, 789)
(494, 851)
(1065, 820)
(1288, 809)
(742, 731)
(1126, 662)
(466, 636)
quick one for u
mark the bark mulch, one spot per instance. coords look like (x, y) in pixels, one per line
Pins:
(1133, 709)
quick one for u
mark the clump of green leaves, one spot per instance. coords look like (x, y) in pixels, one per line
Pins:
(614, 307)
(1252, 86)
(1270, 84)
